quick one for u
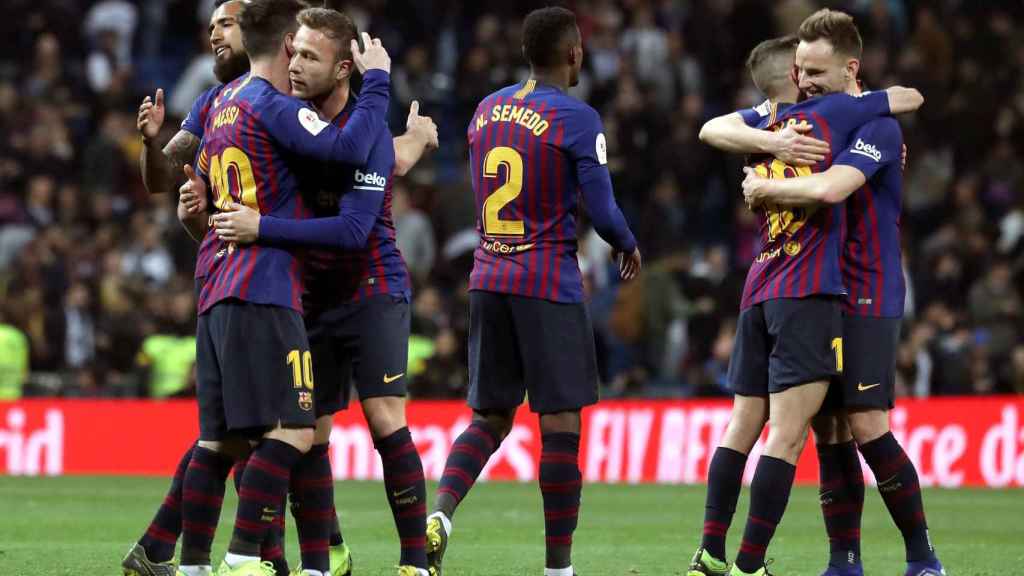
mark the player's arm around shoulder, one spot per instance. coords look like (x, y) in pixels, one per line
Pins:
(299, 129)
(735, 133)
(903, 100)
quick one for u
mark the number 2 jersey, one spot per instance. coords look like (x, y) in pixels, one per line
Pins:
(533, 150)
(801, 247)
(256, 142)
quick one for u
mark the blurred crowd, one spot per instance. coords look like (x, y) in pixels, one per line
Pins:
(96, 295)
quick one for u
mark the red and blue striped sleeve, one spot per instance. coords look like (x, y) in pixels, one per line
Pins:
(877, 144)
(753, 116)
(299, 129)
(847, 113)
(357, 212)
(590, 154)
(196, 118)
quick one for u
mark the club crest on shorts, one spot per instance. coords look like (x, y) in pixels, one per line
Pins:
(306, 401)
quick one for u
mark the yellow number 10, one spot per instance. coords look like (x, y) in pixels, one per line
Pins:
(507, 192)
(302, 372)
(837, 347)
(220, 178)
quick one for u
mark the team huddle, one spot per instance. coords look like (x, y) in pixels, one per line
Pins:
(302, 292)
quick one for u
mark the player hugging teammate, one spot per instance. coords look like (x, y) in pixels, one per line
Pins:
(265, 157)
(822, 303)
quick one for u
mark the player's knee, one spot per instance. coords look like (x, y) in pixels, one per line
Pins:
(385, 415)
(747, 420)
(500, 422)
(303, 439)
(868, 425)
(560, 422)
(786, 441)
(741, 434)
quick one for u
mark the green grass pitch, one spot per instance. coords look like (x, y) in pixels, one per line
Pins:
(83, 526)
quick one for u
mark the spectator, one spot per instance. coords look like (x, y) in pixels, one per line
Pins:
(414, 233)
(147, 260)
(76, 225)
(995, 308)
(115, 17)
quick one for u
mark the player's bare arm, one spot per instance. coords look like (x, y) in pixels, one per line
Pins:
(195, 221)
(903, 100)
(829, 187)
(420, 136)
(160, 165)
(730, 133)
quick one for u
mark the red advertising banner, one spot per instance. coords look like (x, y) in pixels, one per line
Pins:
(953, 441)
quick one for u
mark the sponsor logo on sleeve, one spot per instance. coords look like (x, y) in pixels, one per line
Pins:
(370, 181)
(764, 108)
(864, 149)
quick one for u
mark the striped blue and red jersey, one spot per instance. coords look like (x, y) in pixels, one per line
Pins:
(801, 247)
(872, 257)
(256, 141)
(195, 124)
(533, 151)
(195, 121)
(353, 252)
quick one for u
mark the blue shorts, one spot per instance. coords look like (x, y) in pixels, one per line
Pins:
(366, 342)
(786, 342)
(251, 370)
(520, 345)
(869, 371)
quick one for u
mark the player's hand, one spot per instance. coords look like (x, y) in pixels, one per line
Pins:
(239, 224)
(629, 265)
(421, 127)
(795, 149)
(903, 159)
(192, 194)
(374, 57)
(151, 116)
(753, 188)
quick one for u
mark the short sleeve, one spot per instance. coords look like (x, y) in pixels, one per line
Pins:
(850, 112)
(877, 144)
(196, 118)
(754, 116)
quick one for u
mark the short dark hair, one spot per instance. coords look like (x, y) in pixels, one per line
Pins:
(333, 24)
(836, 27)
(770, 62)
(219, 3)
(544, 30)
(264, 24)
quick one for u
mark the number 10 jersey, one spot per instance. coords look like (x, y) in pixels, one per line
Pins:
(800, 247)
